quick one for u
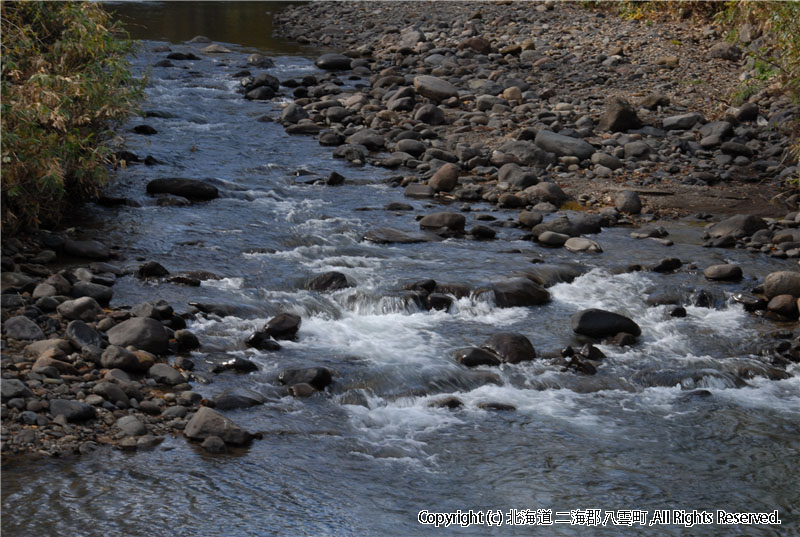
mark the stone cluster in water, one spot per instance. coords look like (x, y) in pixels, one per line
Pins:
(494, 105)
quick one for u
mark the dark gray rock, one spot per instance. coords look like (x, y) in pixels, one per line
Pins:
(726, 272)
(283, 326)
(73, 411)
(86, 249)
(14, 388)
(564, 146)
(101, 293)
(434, 88)
(417, 190)
(214, 444)
(21, 327)
(510, 347)
(474, 357)
(387, 235)
(318, 377)
(207, 422)
(330, 281)
(782, 283)
(739, 226)
(682, 121)
(230, 401)
(165, 374)
(143, 333)
(116, 357)
(333, 62)
(446, 178)
(546, 191)
(84, 309)
(111, 391)
(131, 426)
(516, 176)
(599, 323)
(451, 222)
(519, 292)
(628, 201)
(191, 189)
(619, 116)
(430, 114)
(293, 113)
(669, 264)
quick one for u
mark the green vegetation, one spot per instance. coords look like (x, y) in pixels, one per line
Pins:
(65, 81)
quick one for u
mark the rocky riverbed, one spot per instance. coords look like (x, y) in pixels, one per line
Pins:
(534, 108)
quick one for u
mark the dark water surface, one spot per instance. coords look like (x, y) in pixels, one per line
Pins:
(365, 458)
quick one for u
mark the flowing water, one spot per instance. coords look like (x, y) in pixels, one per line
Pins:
(366, 457)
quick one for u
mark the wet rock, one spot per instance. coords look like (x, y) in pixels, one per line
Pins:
(230, 401)
(519, 292)
(784, 305)
(368, 138)
(318, 377)
(678, 312)
(73, 411)
(474, 357)
(191, 189)
(83, 309)
(496, 406)
(283, 326)
(152, 269)
(333, 62)
(21, 327)
(237, 363)
(669, 264)
(143, 333)
(186, 340)
(548, 275)
(580, 244)
(750, 302)
(334, 179)
(619, 116)
(293, 113)
(302, 390)
(165, 374)
(599, 323)
(530, 218)
(261, 340)
(448, 222)
(14, 388)
(207, 422)
(510, 347)
(434, 88)
(386, 235)
(446, 178)
(446, 402)
(782, 283)
(214, 444)
(416, 190)
(726, 272)
(551, 238)
(482, 233)
(628, 201)
(563, 146)
(330, 281)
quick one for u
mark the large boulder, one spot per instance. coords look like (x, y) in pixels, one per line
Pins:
(599, 323)
(208, 422)
(434, 88)
(516, 292)
(329, 281)
(619, 116)
(783, 282)
(510, 347)
(474, 357)
(741, 225)
(725, 272)
(564, 146)
(143, 333)
(191, 189)
(318, 377)
(283, 326)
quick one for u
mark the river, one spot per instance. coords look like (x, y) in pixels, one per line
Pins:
(665, 424)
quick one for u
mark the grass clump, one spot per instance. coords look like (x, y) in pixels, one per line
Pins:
(65, 82)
